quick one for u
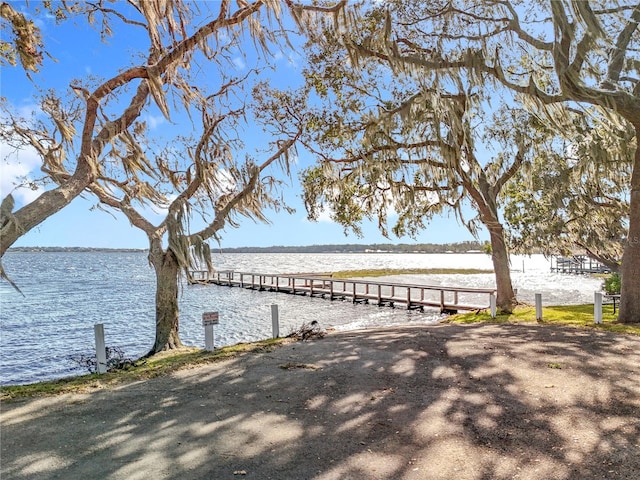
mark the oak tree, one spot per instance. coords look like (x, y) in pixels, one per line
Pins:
(573, 196)
(96, 138)
(558, 54)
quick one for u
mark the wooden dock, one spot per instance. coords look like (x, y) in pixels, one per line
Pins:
(411, 296)
(577, 265)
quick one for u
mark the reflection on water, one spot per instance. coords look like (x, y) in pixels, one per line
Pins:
(67, 293)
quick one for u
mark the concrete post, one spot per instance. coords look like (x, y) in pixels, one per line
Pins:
(538, 307)
(492, 303)
(597, 307)
(101, 349)
(275, 320)
(208, 338)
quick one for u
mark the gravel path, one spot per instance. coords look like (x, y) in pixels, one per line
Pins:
(428, 402)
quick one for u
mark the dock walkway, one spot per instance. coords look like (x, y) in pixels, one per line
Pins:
(577, 265)
(411, 296)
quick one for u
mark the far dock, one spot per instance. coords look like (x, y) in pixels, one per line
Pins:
(382, 293)
(577, 265)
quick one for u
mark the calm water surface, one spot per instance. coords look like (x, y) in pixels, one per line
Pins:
(67, 293)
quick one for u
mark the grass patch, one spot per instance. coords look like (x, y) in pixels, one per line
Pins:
(161, 364)
(410, 271)
(569, 315)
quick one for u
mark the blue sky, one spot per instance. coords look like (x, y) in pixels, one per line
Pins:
(79, 53)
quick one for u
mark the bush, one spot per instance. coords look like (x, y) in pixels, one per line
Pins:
(612, 284)
(116, 360)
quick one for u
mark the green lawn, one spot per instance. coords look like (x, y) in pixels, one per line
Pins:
(570, 315)
(161, 364)
(406, 271)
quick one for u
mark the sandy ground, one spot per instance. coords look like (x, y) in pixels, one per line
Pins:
(431, 402)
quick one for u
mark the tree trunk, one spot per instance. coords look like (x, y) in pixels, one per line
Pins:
(506, 299)
(167, 319)
(630, 268)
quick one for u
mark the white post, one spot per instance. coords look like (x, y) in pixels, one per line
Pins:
(492, 303)
(208, 338)
(538, 307)
(209, 319)
(597, 307)
(275, 321)
(101, 349)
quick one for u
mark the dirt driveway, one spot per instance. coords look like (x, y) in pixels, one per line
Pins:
(432, 402)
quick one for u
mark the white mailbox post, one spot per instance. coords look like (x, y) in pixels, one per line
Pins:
(209, 319)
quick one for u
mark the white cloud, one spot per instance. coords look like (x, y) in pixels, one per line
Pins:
(325, 215)
(239, 63)
(16, 169)
(155, 120)
(292, 58)
(28, 111)
(157, 211)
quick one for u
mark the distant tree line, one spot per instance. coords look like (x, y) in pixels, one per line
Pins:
(75, 249)
(461, 247)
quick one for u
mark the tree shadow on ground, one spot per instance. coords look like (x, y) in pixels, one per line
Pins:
(434, 402)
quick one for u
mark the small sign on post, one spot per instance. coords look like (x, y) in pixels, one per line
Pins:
(209, 319)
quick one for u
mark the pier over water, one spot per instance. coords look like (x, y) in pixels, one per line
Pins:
(382, 293)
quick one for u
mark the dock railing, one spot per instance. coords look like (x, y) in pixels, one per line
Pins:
(413, 296)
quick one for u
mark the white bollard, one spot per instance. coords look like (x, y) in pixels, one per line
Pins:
(538, 307)
(101, 349)
(275, 321)
(209, 319)
(492, 303)
(597, 307)
(208, 338)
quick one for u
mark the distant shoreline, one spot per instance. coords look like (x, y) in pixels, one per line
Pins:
(463, 247)
(73, 249)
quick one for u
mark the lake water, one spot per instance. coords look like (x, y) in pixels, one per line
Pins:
(67, 293)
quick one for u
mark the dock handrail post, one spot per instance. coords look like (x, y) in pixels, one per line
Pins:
(379, 294)
(492, 304)
(101, 349)
(330, 289)
(597, 307)
(275, 320)
(408, 298)
(354, 291)
(538, 297)
(441, 299)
